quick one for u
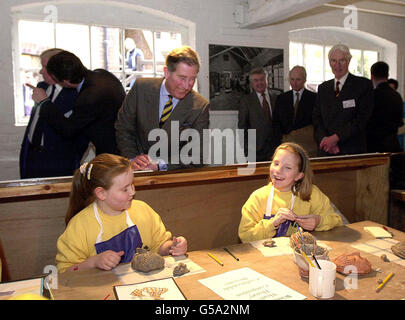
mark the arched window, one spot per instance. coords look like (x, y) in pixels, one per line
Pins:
(310, 47)
(127, 40)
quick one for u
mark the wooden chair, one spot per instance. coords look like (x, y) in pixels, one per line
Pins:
(5, 273)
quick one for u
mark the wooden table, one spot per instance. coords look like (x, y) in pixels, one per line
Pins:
(97, 284)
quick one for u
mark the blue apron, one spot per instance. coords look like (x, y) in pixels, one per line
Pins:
(127, 240)
(282, 229)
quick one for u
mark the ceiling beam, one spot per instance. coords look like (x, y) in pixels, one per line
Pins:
(258, 13)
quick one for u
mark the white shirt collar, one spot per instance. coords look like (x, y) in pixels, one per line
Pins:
(342, 80)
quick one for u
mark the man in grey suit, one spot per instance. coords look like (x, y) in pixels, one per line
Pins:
(342, 109)
(164, 107)
(255, 112)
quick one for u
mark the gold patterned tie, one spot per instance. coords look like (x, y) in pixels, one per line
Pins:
(167, 110)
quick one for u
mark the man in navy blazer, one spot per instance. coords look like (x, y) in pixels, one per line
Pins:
(45, 153)
(100, 95)
(382, 129)
(343, 108)
(292, 119)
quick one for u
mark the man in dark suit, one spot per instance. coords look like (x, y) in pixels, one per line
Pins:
(382, 128)
(100, 95)
(45, 153)
(292, 119)
(164, 107)
(343, 107)
(256, 112)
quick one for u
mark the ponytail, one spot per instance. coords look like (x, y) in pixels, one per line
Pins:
(99, 172)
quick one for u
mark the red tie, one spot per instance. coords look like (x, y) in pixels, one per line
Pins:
(337, 90)
(266, 107)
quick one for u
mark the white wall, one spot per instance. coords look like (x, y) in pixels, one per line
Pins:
(207, 22)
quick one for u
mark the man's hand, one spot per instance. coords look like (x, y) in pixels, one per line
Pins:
(143, 162)
(329, 144)
(38, 94)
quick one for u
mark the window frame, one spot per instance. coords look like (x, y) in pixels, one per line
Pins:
(325, 47)
(19, 113)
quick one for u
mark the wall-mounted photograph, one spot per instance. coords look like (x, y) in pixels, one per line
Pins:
(229, 68)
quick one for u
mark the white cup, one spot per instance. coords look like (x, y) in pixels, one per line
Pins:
(322, 282)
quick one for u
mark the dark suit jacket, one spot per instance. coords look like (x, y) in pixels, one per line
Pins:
(283, 119)
(382, 129)
(58, 156)
(139, 115)
(333, 114)
(252, 116)
(94, 111)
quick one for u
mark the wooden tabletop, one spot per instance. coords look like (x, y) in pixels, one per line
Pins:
(98, 285)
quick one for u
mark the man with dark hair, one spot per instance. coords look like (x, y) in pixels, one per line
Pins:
(100, 95)
(342, 109)
(256, 112)
(44, 152)
(382, 128)
(159, 103)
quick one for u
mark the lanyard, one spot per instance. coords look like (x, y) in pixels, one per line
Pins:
(99, 237)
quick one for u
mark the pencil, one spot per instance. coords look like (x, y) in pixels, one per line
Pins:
(384, 282)
(50, 292)
(227, 250)
(302, 238)
(316, 261)
(215, 259)
(306, 257)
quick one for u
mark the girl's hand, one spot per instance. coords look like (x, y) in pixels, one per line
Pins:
(178, 247)
(282, 215)
(309, 222)
(107, 260)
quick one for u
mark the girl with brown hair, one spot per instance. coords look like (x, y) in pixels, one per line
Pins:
(105, 224)
(288, 199)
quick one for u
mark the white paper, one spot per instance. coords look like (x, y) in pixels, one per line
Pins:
(247, 284)
(16, 288)
(378, 232)
(164, 289)
(128, 275)
(379, 247)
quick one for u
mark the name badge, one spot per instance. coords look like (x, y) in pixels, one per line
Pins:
(349, 104)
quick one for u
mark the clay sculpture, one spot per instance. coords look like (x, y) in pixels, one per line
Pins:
(180, 269)
(147, 261)
(352, 263)
(399, 249)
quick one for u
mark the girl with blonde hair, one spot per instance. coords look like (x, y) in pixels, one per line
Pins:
(288, 200)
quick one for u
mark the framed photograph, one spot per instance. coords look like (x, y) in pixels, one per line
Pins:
(229, 68)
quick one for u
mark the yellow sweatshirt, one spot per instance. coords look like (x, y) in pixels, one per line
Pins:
(253, 227)
(77, 243)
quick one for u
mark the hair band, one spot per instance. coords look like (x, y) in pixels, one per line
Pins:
(89, 171)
